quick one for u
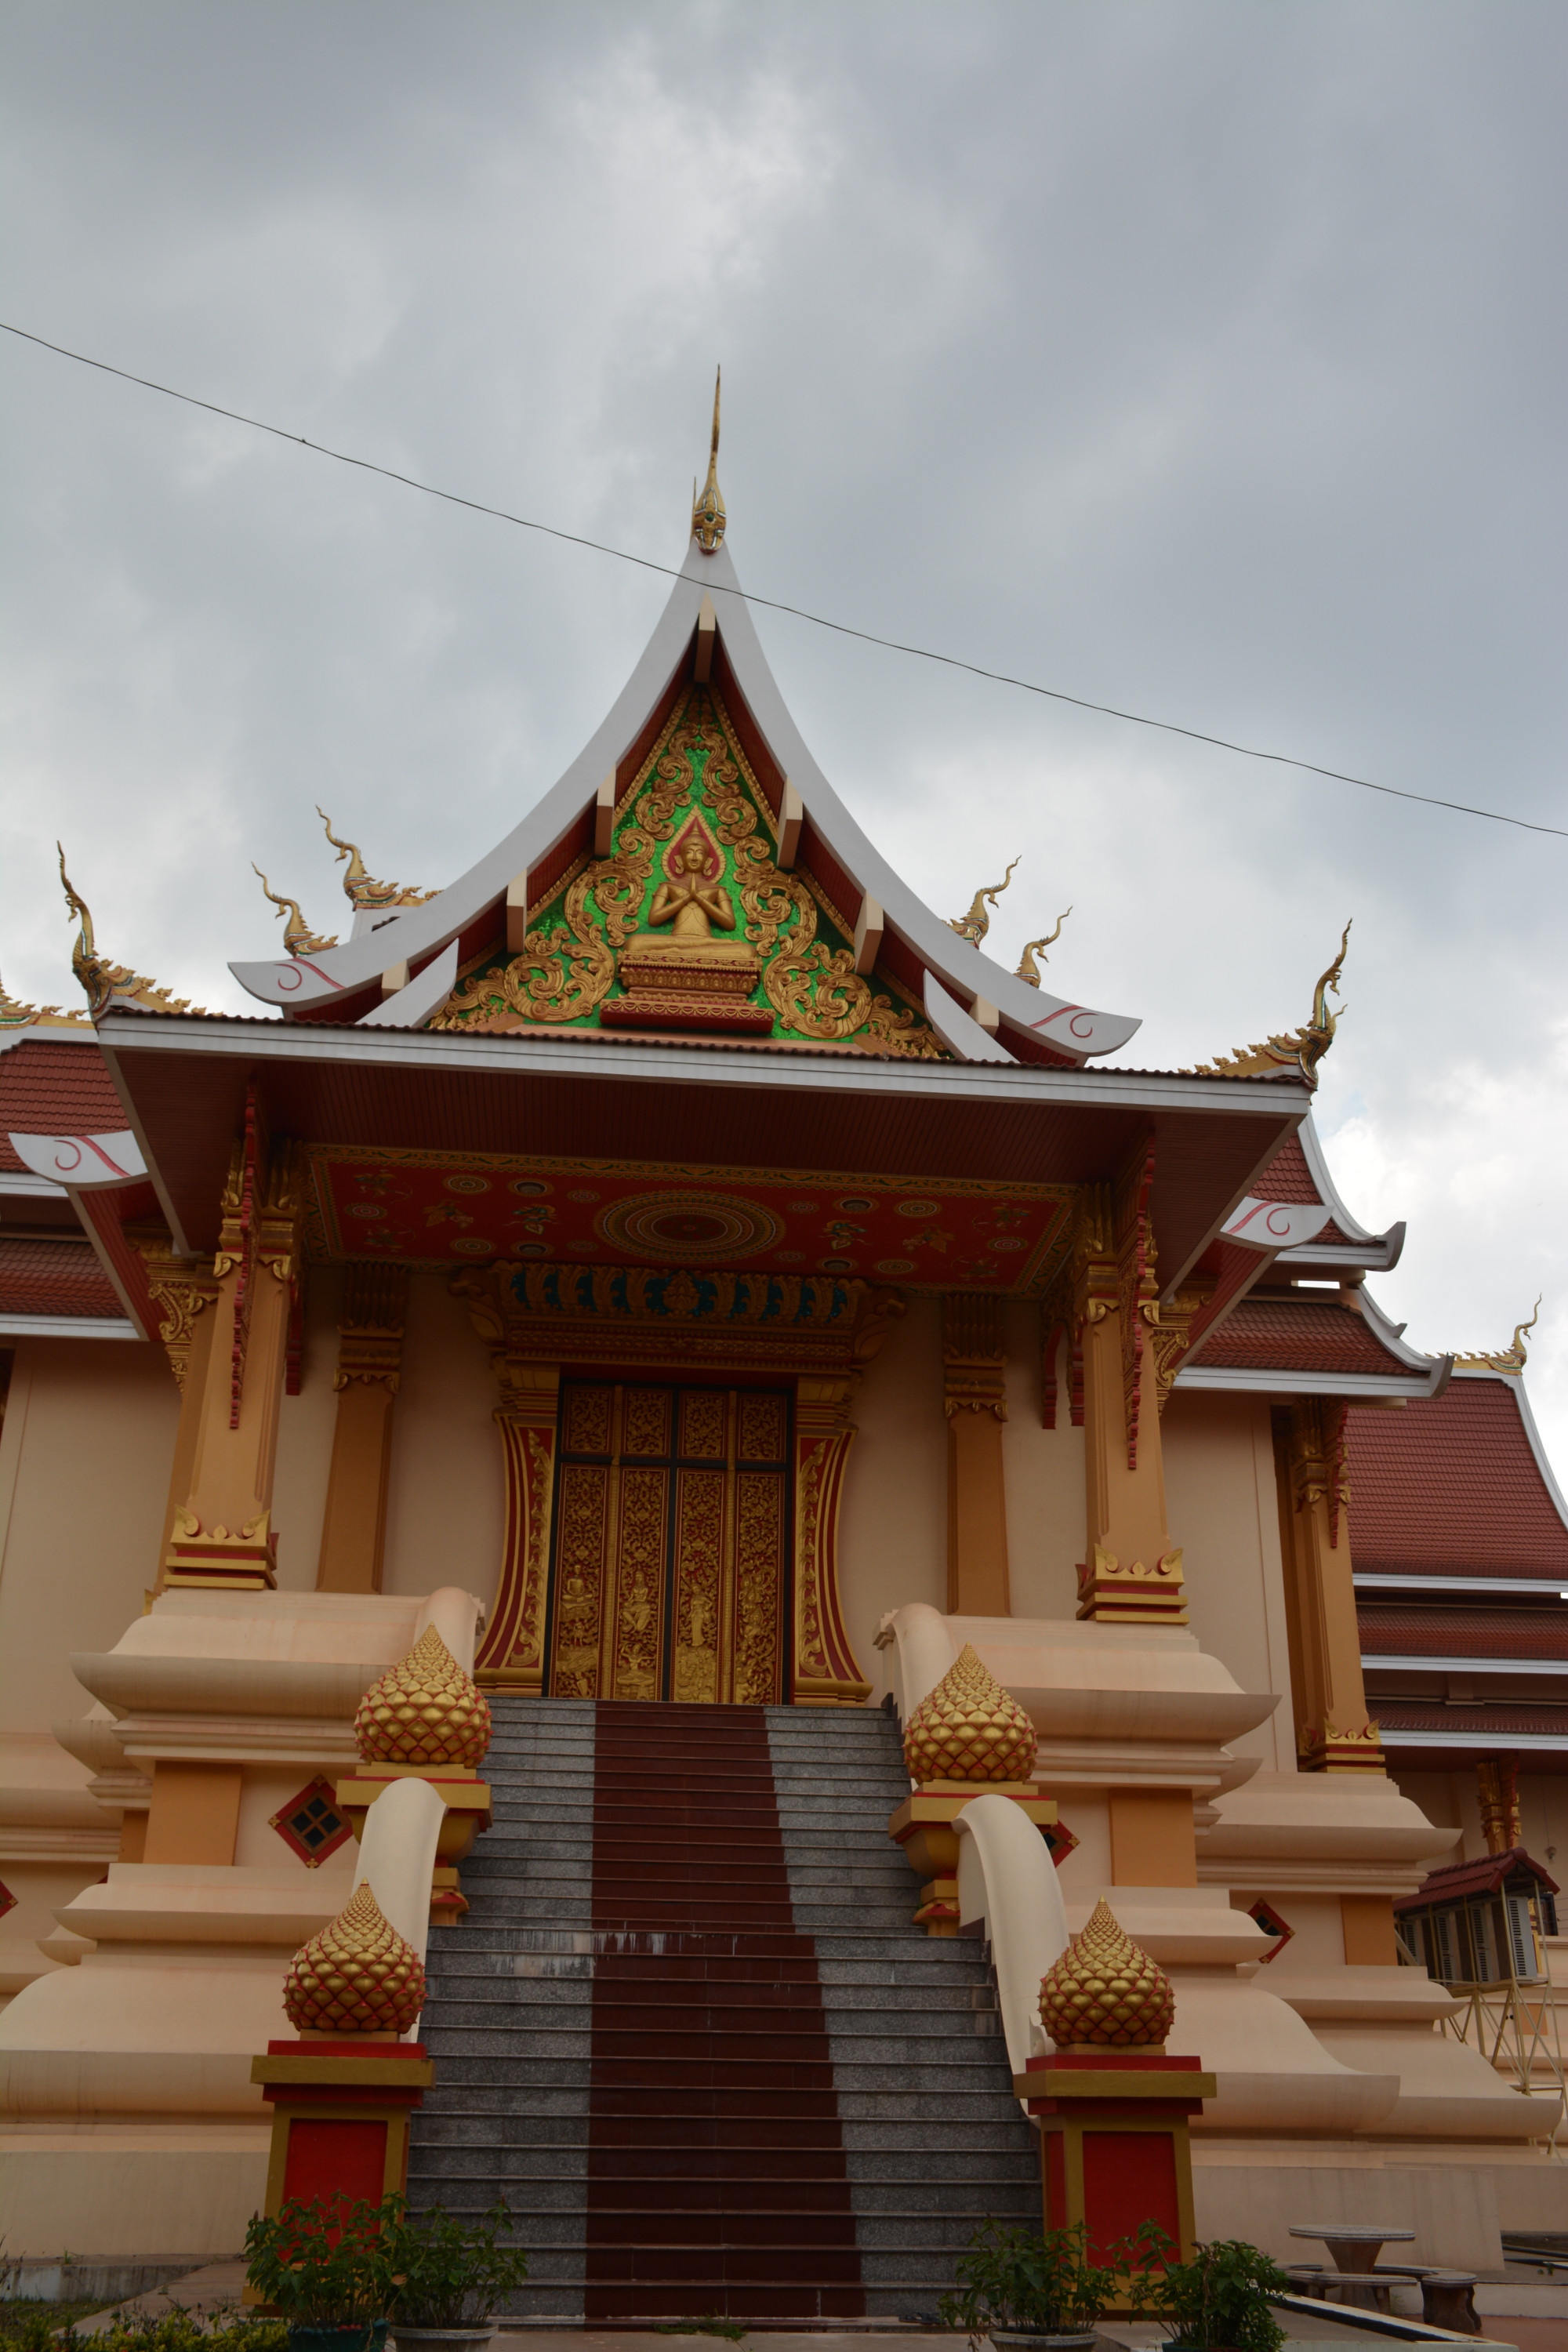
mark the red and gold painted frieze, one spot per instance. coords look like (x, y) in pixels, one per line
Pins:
(441, 1213)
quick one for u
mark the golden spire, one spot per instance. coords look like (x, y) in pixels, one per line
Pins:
(1507, 1359)
(298, 936)
(358, 1976)
(1297, 1053)
(1028, 968)
(968, 1728)
(104, 984)
(973, 926)
(1105, 1993)
(426, 1710)
(708, 511)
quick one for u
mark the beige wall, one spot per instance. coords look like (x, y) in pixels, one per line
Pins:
(305, 1427)
(84, 1469)
(892, 1523)
(446, 1499)
(1043, 1471)
(1220, 1494)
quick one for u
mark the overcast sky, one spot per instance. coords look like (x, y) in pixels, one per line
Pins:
(1202, 359)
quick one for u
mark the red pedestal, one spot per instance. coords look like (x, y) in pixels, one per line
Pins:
(1114, 2149)
(339, 2116)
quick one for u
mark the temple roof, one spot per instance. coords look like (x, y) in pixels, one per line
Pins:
(1293, 1341)
(1482, 1876)
(1459, 1486)
(979, 1009)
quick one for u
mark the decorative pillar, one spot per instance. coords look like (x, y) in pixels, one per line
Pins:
(182, 1288)
(1333, 1732)
(341, 2095)
(968, 1738)
(1107, 1300)
(221, 1535)
(1114, 2110)
(1132, 1572)
(826, 1672)
(370, 1360)
(425, 1719)
(975, 1377)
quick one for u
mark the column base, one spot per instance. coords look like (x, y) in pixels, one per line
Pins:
(209, 1560)
(1135, 1595)
(339, 2116)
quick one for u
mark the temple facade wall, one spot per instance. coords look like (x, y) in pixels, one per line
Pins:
(446, 1500)
(84, 1479)
(1223, 1501)
(1045, 1479)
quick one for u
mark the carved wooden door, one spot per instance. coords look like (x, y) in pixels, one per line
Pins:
(671, 1551)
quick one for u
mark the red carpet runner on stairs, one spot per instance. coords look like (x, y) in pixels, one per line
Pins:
(716, 2174)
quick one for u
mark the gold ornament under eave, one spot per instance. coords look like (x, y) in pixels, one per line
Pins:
(425, 1710)
(968, 1728)
(1106, 1993)
(358, 1976)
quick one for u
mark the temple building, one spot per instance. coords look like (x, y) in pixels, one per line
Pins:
(675, 1278)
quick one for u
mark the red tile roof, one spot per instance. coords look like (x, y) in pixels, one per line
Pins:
(1274, 1333)
(1287, 1176)
(1439, 1632)
(1539, 1718)
(53, 1090)
(1482, 1876)
(54, 1279)
(1451, 1486)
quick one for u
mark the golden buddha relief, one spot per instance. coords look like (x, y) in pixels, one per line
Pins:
(721, 940)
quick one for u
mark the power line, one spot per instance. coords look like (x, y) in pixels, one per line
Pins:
(771, 605)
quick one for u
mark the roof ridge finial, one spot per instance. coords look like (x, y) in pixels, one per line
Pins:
(973, 926)
(104, 984)
(1295, 1053)
(298, 936)
(362, 890)
(1028, 968)
(708, 517)
(1511, 1359)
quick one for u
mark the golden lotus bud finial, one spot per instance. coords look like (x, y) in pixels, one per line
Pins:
(1105, 1993)
(708, 511)
(426, 1710)
(968, 1728)
(358, 1976)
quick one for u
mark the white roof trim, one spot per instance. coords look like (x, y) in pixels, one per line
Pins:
(1265, 1381)
(1501, 1738)
(1376, 1250)
(1543, 1587)
(68, 1326)
(47, 1033)
(1424, 1666)
(420, 932)
(29, 1188)
(589, 1054)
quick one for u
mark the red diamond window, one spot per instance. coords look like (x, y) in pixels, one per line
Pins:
(1273, 1923)
(1059, 1841)
(310, 1825)
(7, 1900)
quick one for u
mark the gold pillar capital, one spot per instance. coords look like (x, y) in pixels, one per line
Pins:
(1333, 1731)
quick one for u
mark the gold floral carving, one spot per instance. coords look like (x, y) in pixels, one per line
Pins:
(358, 1976)
(1320, 1472)
(566, 966)
(974, 1354)
(1086, 1288)
(1137, 1286)
(1172, 1336)
(369, 1336)
(1511, 1359)
(1106, 1993)
(180, 1287)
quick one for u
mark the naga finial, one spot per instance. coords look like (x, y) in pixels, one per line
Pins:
(104, 984)
(1028, 968)
(359, 888)
(1506, 1359)
(298, 936)
(973, 926)
(1295, 1054)
(708, 517)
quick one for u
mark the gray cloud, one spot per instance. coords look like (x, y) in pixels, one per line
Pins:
(1202, 358)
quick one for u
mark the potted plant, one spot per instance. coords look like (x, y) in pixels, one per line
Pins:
(323, 2268)
(450, 2275)
(1024, 2289)
(1220, 2301)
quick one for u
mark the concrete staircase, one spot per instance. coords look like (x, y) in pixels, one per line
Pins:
(691, 2034)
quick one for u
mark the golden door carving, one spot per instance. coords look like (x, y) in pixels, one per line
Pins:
(671, 1543)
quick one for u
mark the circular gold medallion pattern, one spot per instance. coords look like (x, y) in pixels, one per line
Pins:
(687, 1228)
(468, 1183)
(919, 1209)
(895, 1265)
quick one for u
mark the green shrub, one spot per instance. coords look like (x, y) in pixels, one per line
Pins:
(1018, 2278)
(1219, 2302)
